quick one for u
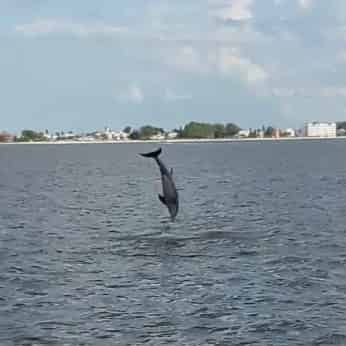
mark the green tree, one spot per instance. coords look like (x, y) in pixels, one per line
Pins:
(269, 132)
(147, 131)
(341, 125)
(219, 130)
(231, 129)
(206, 130)
(127, 129)
(134, 135)
(198, 130)
(31, 136)
(179, 131)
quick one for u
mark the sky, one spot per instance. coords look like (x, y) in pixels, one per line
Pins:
(83, 64)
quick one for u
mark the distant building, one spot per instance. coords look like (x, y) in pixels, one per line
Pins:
(47, 136)
(124, 135)
(276, 133)
(85, 138)
(172, 135)
(120, 136)
(289, 132)
(109, 134)
(260, 134)
(158, 136)
(320, 129)
(97, 134)
(243, 133)
(6, 137)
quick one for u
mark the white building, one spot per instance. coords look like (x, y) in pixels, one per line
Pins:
(67, 135)
(172, 135)
(290, 132)
(158, 136)
(120, 136)
(243, 133)
(320, 129)
(109, 134)
(260, 134)
(86, 138)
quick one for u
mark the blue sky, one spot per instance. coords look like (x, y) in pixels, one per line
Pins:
(85, 64)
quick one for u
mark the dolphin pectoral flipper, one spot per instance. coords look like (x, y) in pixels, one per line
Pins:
(162, 199)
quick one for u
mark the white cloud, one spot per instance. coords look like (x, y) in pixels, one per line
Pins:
(57, 26)
(217, 61)
(237, 10)
(230, 62)
(305, 4)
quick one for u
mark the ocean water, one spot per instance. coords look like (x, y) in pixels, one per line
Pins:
(257, 255)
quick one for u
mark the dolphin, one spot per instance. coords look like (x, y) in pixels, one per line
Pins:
(170, 194)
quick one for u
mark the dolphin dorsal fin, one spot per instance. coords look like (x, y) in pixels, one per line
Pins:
(162, 199)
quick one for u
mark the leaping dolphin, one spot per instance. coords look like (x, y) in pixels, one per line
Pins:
(170, 194)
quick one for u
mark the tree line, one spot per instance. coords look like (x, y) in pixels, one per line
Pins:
(197, 130)
(200, 130)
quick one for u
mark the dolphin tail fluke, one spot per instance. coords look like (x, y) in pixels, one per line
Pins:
(153, 154)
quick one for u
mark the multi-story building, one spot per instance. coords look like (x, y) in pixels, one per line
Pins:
(320, 129)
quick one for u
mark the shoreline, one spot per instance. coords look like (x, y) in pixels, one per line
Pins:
(177, 141)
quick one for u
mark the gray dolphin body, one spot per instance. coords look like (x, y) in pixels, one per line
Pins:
(170, 194)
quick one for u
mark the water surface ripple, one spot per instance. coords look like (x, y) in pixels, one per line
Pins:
(256, 257)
